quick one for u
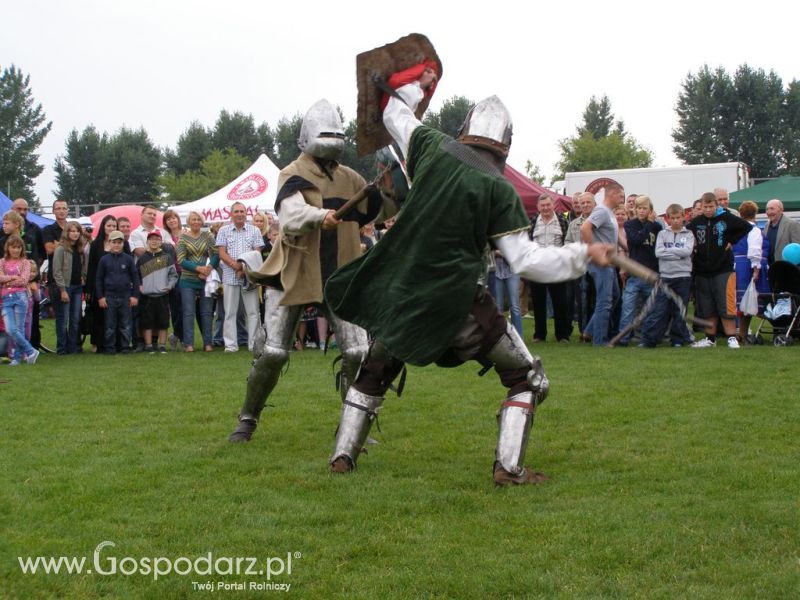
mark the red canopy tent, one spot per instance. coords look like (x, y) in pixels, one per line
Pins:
(530, 191)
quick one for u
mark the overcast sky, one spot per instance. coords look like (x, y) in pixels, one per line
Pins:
(162, 64)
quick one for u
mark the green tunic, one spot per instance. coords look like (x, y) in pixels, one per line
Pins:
(415, 287)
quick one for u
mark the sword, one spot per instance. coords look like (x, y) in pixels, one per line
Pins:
(653, 278)
(360, 195)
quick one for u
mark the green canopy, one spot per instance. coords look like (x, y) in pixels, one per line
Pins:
(786, 189)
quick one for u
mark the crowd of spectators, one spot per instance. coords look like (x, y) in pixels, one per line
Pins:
(122, 290)
(707, 253)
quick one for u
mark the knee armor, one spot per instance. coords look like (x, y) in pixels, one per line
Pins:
(510, 354)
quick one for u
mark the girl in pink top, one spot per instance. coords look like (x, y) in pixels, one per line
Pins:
(15, 271)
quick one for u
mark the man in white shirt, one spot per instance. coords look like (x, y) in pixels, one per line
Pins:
(550, 229)
(138, 238)
(233, 240)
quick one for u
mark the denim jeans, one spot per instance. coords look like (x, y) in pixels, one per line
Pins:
(634, 295)
(118, 317)
(655, 325)
(176, 312)
(606, 294)
(512, 285)
(15, 308)
(188, 296)
(68, 318)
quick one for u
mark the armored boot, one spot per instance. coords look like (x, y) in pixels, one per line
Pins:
(515, 419)
(261, 381)
(358, 412)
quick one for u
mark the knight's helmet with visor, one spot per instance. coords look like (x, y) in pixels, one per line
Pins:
(322, 132)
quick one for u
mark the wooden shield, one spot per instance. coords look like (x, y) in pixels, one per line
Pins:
(383, 62)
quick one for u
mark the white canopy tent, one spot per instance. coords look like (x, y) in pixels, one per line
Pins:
(256, 188)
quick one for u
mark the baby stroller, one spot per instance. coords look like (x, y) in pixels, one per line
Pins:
(783, 304)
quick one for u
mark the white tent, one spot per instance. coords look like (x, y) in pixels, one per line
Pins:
(256, 188)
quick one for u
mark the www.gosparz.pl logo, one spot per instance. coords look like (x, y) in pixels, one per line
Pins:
(105, 564)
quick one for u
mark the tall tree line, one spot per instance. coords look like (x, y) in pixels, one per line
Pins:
(748, 116)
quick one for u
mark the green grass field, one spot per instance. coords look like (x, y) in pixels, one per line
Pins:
(674, 474)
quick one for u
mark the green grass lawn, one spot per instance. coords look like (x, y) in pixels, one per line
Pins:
(674, 474)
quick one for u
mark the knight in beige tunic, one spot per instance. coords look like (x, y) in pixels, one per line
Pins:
(312, 244)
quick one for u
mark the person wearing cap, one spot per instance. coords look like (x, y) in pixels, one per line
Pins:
(117, 287)
(159, 276)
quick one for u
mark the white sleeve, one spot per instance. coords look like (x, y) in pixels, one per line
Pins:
(754, 241)
(137, 239)
(543, 264)
(399, 117)
(298, 217)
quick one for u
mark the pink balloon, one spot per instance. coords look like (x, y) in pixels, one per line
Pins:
(132, 211)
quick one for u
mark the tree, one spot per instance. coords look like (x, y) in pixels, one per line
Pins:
(194, 144)
(614, 151)
(286, 134)
(129, 166)
(596, 147)
(451, 116)
(237, 131)
(216, 170)
(791, 120)
(534, 173)
(740, 118)
(78, 174)
(364, 165)
(266, 139)
(22, 130)
(598, 119)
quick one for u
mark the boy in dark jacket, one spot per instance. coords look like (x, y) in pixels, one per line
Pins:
(118, 291)
(715, 232)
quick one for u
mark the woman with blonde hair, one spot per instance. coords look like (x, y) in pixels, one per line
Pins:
(69, 273)
(197, 257)
(263, 222)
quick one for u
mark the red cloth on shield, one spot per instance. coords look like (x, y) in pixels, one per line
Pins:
(410, 75)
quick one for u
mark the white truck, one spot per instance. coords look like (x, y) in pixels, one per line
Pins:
(665, 185)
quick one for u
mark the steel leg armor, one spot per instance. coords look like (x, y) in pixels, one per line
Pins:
(353, 344)
(271, 352)
(358, 412)
(512, 360)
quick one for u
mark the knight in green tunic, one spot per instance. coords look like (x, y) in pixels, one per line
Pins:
(419, 290)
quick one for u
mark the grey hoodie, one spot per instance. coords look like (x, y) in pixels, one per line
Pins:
(674, 253)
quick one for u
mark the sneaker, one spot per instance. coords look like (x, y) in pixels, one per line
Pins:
(162, 349)
(173, 342)
(34, 356)
(14, 363)
(733, 342)
(704, 343)
(149, 349)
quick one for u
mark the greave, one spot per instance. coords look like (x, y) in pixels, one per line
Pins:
(358, 412)
(514, 420)
(261, 381)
